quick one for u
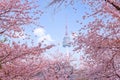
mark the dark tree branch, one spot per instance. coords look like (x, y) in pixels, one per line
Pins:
(113, 4)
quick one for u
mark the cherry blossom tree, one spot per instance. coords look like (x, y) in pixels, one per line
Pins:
(15, 61)
(15, 13)
(21, 69)
(58, 67)
(57, 70)
(103, 49)
(101, 43)
(98, 6)
(100, 38)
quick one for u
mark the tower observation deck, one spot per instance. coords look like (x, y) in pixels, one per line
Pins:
(66, 39)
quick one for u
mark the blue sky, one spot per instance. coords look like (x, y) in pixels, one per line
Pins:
(54, 19)
(54, 22)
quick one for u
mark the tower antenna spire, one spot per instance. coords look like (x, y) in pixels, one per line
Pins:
(66, 28)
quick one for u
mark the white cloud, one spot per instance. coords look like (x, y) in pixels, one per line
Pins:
(42, 35)
(48, 37)
(39, 32)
